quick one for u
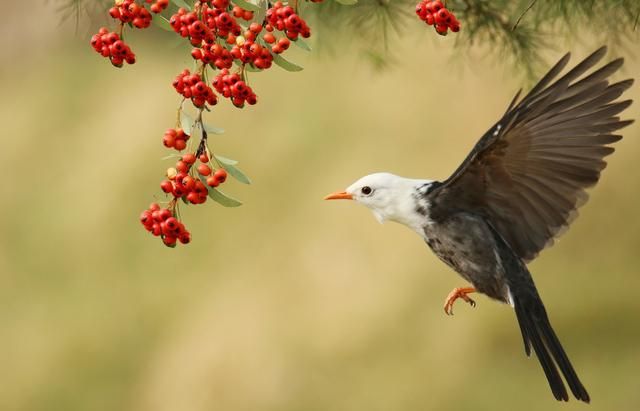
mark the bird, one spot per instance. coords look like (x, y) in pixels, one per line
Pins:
(517, 190)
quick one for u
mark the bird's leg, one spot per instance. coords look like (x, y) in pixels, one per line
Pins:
(460, 292)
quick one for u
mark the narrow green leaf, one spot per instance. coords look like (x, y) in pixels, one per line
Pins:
(224, 160)
(223, 199)
(246, 5)
(213, 129)
(181, 3)
(196, 132)
(347, 2)
(236, 173)
(300, 43)
(162, 22)
(185, 122)
(220, 197)
(285, 64)
(258, 16)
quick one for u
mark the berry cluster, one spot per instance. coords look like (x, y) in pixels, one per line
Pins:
(434, 13)
(214, 54)
(181, 182)
(191, 86)
(248, 51)
(175, 138)
(279, 46)
(108, 44)
(222, 33)
(240, 13)
(284, 18)
(158, 6)
(231, 86)
(128, 11)
(182, 185)
(163, 222)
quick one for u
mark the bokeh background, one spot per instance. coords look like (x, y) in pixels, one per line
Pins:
(288, 302)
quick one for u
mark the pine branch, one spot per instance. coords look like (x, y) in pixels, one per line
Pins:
(512, 30)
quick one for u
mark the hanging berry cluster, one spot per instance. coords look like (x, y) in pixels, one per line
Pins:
(229, 39)
(110, 45)
(161, 222)
(434, 13)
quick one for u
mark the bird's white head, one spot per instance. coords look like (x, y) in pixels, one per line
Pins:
(388, 196)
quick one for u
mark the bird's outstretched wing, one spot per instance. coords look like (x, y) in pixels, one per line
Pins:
(528, 173)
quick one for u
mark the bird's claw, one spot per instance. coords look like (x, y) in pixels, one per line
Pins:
(460, 292)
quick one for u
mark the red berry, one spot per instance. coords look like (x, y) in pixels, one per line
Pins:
(182, 167)
(166, 186)
(255, 28)
(189, 158)
(164, 214)
(269, 38)
(145, 217)
(441, 16)
(436, 5)
(220, 175)
(171, 223)
(180, 145)
(193, 197)
(169, 241)
(284, 43)
(441, 29)
(185, 237)
(212, 181)
(168, 140)
(188, 183)
(204, 169)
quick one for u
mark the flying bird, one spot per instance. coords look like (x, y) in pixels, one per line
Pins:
(518, 189)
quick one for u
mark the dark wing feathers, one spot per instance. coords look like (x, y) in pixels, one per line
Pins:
(529, 172)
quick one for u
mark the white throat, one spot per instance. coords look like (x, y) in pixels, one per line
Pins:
(405, 206)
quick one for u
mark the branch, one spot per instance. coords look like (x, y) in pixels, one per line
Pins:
(522, 15)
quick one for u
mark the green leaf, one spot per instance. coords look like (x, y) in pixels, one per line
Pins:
(258, 16)
(224, 160)
(181, 3)
(347, 2)
(236, 173)
(213, 129)
(246, 5)
(300, 43)
(185, 122)
(285, 64)
(223, 199)
(162, 22)
(220, 197)
(196, 132)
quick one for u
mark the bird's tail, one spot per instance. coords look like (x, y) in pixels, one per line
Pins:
(537, 332)
(536, 328)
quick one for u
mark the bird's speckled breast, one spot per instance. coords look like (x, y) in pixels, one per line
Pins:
(466, 243)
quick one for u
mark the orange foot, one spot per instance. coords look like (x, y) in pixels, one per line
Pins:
(460, 292)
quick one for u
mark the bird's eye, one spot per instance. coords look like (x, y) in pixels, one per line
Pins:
(366, 190)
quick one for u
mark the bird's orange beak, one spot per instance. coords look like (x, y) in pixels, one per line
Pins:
(341, 195)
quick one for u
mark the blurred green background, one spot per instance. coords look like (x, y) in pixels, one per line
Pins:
(288, 302)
